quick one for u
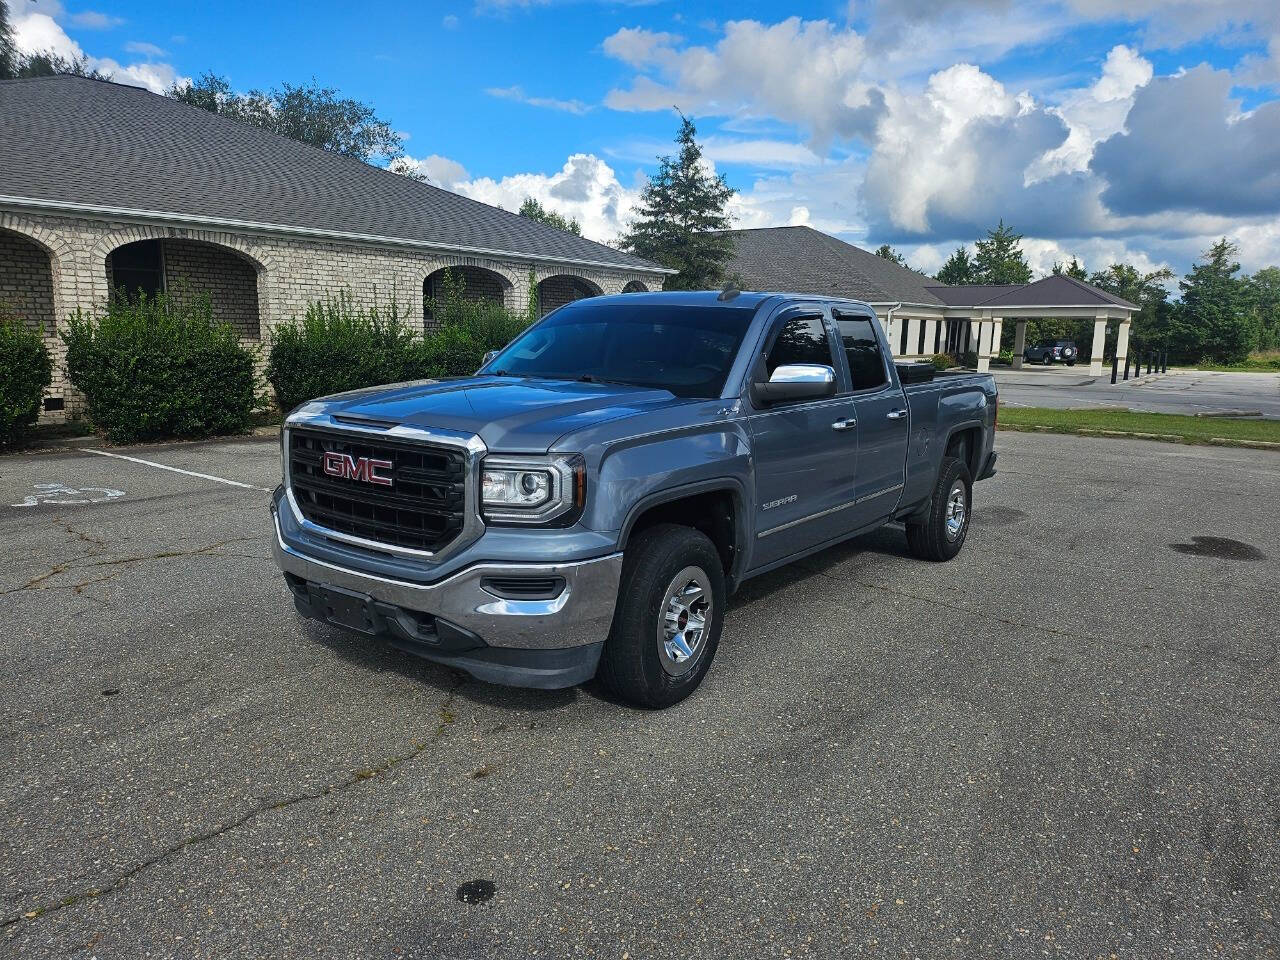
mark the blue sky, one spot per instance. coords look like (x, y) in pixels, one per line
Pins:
(1139, 137)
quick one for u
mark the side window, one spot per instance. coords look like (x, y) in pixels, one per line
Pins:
(866, 364)
(802, 340)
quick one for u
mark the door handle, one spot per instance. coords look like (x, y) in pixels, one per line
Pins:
(847, 424)
(896, 414)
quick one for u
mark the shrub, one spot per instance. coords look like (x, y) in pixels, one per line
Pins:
(969, 358)
(340, 345)
(1005, 357)
(471, 328)
(943, 361)
(158, 367)
(25, 370)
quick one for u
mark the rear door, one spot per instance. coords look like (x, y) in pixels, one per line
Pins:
(884, 421)
(804, 451)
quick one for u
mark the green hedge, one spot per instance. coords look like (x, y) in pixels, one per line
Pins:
(153, 368)
(25, 370)
(944, 361)
(342, 345)
(339, 345)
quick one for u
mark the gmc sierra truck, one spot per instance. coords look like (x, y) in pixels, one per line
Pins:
(588, 501)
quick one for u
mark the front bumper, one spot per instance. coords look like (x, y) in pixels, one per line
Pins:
(540, 643)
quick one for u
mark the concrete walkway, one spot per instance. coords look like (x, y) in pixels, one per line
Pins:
(1182, 391)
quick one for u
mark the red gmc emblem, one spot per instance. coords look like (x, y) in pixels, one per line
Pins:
(364, 469)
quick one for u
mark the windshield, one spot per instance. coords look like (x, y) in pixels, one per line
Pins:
(684, 349)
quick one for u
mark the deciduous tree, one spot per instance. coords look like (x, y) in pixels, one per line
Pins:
(886, 252)
(534, 210)
(310, 113)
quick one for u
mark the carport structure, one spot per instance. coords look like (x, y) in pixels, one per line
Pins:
(920, 316)
(975, 315)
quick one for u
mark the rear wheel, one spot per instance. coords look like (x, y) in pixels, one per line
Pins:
(670, 612)
(1048, 359)
(940, 534)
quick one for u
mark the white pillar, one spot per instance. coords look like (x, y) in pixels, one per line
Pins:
(1019, 343)
(1122, 344)
(984, 345)
(1099, 344)
(931, 337)
(997, 333)
(913, 336)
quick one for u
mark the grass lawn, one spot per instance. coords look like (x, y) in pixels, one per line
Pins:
(1263, 361)
(1160, 426)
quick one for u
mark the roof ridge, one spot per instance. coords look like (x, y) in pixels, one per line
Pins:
(245, 134)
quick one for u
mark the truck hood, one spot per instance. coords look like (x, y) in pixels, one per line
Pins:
(511, 415)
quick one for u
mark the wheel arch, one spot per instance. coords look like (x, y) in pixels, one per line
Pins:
(716, 507)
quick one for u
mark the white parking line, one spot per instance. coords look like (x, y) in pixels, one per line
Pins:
(162, 466)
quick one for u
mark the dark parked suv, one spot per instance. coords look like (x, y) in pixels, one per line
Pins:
(1053, 351)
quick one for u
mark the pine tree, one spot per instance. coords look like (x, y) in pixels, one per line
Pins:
(1213, 322)
(1075, 269)
(958, 269)
(681, 211)
(999, 258)
(8, 54)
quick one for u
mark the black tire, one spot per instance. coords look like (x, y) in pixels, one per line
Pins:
(929, 538)
(1048, 359)
(632, 665)
(1071, 363)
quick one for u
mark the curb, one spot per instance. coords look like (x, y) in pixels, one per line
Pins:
(268, 432)
(1135, 435)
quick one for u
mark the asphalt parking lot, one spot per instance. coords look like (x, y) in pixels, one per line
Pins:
(1178, 391)
(1064, 742)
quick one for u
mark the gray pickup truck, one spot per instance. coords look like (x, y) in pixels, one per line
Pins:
(586, 504)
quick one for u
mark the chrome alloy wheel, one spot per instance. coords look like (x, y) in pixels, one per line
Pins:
(957, 511)
(684, 620)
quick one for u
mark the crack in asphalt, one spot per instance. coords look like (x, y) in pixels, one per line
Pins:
(354, 778)
(58, 568)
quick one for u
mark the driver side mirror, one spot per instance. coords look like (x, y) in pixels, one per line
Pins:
(795, 381)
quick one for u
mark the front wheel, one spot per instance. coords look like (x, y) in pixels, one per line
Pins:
(940, 534)
(1048, 360)
(667, 623)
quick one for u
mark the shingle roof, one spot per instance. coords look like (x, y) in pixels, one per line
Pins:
(1057, 290)
(804, 260)
(93, 143)
(970, 294)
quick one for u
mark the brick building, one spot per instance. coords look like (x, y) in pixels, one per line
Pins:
(104, 185)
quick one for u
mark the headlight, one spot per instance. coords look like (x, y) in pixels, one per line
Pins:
(533, 490)
(517, 488)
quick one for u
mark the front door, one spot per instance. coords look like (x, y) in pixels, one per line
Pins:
(883, 423)
(805, 451)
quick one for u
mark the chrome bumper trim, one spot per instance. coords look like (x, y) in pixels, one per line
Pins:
(582, 613)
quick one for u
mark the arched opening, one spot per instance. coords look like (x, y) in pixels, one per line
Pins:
(189, 268)
(26, 282)
(563, 288)
(635, 286)
(472, 283)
